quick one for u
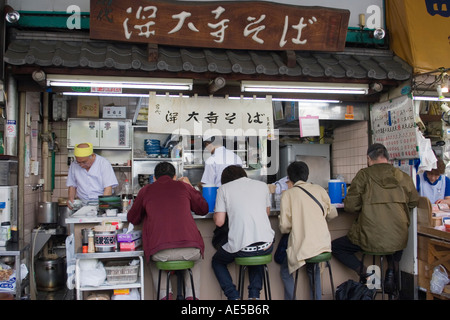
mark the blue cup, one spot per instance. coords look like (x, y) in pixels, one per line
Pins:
(337, 190)
(210, 193)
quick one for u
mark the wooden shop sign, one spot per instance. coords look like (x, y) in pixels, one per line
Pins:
(250, 25)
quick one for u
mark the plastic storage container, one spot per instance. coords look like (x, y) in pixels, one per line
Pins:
(121, 272)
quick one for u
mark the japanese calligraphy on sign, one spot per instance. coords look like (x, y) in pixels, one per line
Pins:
(393, 125)
(252, 25)
(198, 115)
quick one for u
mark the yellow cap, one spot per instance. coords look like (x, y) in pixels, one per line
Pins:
(85, 150)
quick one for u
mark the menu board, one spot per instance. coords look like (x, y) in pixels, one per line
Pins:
(393, 125)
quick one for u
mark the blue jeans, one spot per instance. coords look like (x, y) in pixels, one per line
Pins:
(220, 261)
(289, 280)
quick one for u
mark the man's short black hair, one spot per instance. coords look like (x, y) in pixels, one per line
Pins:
(376, 151)
(298, 170)
(164, 169)
(232, 173)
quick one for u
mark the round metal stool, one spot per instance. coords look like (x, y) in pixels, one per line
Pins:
(323, 257)
(374, 255)
(179, 266)
(245, 262)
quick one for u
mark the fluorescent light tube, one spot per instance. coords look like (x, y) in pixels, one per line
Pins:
(429, 98)
(306, 100)
(104, 94)
(303, 87)
(107, 94)
(122, 82)
(149, 86)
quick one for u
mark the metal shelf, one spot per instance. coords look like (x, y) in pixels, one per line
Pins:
(110, 255)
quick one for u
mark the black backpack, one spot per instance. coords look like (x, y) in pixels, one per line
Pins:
(352, 290)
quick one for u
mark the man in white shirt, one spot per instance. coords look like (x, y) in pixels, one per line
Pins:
(220, 159)
(90, 175)
(246, 202)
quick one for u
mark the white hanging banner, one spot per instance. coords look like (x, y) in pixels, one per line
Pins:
(210, 115)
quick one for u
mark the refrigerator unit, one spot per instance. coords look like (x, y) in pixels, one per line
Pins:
(102, 133)
(316, 156)
(8, 211)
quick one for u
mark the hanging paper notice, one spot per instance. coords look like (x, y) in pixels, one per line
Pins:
(11, 128)
(393, 125)
(309, 126)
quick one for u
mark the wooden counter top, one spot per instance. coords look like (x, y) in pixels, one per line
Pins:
(432, 232)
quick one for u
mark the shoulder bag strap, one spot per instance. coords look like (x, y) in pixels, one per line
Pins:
(314, 198)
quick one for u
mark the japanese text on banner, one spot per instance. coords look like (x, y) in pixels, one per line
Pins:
(209, 115)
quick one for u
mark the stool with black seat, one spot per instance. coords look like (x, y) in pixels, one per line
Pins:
(323, 257)
(244, 262)
(179, 266)
(374, 255)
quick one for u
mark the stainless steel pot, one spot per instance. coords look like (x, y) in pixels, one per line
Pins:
(64, 212)
(50, 274)
(47, 212)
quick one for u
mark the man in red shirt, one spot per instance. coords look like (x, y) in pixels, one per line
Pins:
(169, 231)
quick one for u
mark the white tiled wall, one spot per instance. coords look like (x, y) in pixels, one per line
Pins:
(349, 150)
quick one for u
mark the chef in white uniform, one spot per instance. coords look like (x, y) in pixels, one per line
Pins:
(90, 175)
(220, 158)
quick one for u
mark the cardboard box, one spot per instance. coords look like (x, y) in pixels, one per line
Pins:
(114, 112)
(88, 107)
(128, 237)
(130, 246)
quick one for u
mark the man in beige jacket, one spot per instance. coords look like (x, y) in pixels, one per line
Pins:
(306, 222)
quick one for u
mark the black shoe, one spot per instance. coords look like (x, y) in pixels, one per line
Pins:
(389, 282)
(364, 276)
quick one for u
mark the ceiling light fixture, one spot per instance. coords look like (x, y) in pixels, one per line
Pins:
(303, 87)
(307, 100)
(287, 99)
(136, 95)
(122, 82)
(431, 98)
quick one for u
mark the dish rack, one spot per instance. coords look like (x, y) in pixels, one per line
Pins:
(121, 272)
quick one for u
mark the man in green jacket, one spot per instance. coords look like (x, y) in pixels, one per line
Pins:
(383, 197)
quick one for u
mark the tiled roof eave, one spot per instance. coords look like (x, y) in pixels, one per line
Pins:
(347, 66)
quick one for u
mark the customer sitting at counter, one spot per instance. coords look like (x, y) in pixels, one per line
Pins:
(246, 202)
(220, 158)
(299, 214)
(90, 176)
(169, 231)
(382, 196)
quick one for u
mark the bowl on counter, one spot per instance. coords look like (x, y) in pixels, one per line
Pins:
(109, 202)
(144, 179)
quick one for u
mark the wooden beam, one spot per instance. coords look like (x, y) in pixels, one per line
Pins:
(289, 58)
(152, 52)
